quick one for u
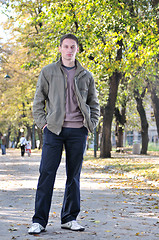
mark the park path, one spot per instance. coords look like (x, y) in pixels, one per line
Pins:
(108, 209)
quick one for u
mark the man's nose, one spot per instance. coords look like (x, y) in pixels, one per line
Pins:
(70, 49)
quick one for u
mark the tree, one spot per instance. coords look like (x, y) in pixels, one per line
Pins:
(154, 84)
(155, 103)
(143, 118)
(17, 91)
(116, 38)
(120, 122)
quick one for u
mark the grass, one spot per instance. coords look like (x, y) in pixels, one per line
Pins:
(121, 163)
(153, 147)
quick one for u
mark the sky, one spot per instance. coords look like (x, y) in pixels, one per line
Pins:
(3, 34)
(3, 18)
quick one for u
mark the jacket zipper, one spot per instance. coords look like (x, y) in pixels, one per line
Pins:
(79, 104)
(65, 80)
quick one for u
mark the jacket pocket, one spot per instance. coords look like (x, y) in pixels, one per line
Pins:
(49, 117)
(88, 118)
(84, 94)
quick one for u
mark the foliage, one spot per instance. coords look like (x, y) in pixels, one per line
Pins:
(103, 28)
(17, 91)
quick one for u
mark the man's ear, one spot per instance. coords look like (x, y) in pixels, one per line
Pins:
(77, 49)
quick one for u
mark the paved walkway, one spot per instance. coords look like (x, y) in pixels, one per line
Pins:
(108, 211)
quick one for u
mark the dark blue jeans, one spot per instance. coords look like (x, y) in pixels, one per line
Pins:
(3, 147)
(74, 141)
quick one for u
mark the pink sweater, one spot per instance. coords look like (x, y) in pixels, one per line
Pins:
(73, 116)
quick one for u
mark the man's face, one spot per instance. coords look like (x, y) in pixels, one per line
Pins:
(68, 49)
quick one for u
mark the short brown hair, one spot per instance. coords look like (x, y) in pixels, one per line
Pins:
(70, 36)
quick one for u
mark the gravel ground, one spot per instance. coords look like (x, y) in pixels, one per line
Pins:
(109, 209)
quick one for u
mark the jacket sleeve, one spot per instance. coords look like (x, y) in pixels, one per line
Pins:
(93, 102)
(41, 95)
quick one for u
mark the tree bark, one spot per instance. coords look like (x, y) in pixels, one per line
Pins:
(154, 97)
(108, 111)
(144, 122)
(28, 137)
(40, 135)
(155, 105)
(18, 137)
(98, 134)
(120, 122)
(8, 136)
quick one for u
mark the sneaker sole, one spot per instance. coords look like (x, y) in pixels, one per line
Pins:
(33, 233)
(76, 230)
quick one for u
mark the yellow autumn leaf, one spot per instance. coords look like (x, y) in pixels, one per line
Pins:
(97, 221)
(85, 211)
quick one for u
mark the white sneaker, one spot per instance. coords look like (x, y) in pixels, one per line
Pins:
(72, 225)
(36, 228)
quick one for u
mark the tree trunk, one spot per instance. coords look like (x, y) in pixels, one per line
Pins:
(8, 136)
(120, 122)
(40, 135)
(155, 104)
(105, 148)
(119, 136)
(33, 140)
(28, 137)
(98, 134)
(18, 138)
(154, 97)
(105, 151)
(108, 111)
(144, 123)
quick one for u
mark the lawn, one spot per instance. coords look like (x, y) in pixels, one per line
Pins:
(121, 164)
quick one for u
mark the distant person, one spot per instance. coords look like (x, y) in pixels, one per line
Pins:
(67, 91)
(22, 145)
(28, 148)
(3, 144)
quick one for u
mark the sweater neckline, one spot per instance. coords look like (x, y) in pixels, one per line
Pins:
(68, 68)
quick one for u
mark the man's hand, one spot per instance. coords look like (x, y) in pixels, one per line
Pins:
(44, 126)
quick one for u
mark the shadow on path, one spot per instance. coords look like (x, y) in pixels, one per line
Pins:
(107, 211)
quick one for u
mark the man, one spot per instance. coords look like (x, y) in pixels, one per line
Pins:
(3, 144)
(22, 144)
(67, 90)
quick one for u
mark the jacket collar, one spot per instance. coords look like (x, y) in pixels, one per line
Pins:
(79, 68)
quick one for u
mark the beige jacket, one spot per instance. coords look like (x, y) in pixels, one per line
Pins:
(49, 100)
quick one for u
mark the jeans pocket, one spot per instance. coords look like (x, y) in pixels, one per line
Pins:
(85, 130)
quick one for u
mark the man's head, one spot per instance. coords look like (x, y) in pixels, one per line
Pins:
(68, 49)
(68, 36)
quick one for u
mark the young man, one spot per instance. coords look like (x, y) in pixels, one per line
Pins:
(67, 90)
(3, 144)
(22, 144)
